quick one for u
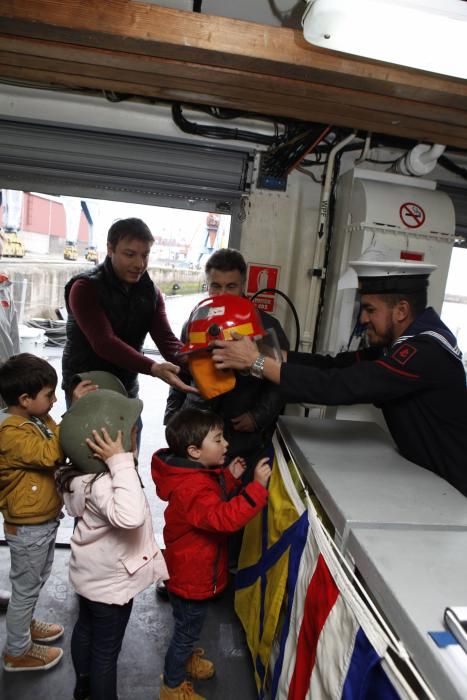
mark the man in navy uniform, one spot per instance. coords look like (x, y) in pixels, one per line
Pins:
(412, 369)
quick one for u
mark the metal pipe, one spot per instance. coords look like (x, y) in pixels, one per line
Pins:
(420, 160)
(316, 273)
(365, 151)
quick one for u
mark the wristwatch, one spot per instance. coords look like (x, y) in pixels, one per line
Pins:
(257, 368)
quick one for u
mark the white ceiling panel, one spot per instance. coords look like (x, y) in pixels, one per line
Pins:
(285, 13)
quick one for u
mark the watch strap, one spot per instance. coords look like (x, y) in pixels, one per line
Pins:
(257, 368)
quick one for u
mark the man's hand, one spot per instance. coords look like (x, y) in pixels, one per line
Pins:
(244, 423)
(83, 388)
(168, 373)
(237, 354)
(237, 467)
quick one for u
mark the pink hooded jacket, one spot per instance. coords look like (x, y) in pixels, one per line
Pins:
(114, 554)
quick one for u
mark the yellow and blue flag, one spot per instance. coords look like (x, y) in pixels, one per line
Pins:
(272, 547)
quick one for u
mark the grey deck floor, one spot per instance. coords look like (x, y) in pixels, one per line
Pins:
(142, 655)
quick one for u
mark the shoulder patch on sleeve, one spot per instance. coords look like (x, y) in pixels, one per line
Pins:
(404, 353)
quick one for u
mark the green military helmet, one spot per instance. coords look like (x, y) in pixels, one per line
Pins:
(104, 380)
(102, 408)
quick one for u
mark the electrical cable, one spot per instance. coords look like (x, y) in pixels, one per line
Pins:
(324, 150)
(286, 149)
(381, 162)
(225, 113)
(112, 96)
(318, 180)
(448, 164)
(279, 160)
(217, 132)
(273, 290)
(310, 148)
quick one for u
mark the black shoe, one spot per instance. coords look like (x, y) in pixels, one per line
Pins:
(161, 591)
(4, 599)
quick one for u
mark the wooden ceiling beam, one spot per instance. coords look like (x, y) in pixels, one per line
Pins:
(155, 52)
(38, 71)
(185, 36)
(155, 71)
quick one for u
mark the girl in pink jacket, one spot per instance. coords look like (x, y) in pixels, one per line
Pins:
(114, 556)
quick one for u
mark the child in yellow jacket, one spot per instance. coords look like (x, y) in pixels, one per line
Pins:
(31, 506)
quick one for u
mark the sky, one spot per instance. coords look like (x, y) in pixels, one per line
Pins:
(169, 223)
(453, 314)
(457, 278)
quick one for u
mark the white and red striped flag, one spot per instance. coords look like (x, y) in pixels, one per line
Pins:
(324, 651)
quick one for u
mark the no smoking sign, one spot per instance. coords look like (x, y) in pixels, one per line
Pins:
(412, 215)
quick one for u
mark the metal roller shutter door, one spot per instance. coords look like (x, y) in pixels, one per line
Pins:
(459, 200)
(121, 166)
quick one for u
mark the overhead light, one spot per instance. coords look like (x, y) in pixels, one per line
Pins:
(430, 35)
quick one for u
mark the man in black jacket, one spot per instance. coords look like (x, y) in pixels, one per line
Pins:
(412, 370)
(251, 409)
(112, 307)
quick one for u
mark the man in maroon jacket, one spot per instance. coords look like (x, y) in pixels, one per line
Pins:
(112, 307)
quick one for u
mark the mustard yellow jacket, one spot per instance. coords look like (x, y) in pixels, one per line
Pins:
(28, 459)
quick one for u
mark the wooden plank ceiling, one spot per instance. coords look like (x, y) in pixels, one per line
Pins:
(152, 51)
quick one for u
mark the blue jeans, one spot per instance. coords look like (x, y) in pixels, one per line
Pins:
(32, 555)
(189, 617)
(95, 645)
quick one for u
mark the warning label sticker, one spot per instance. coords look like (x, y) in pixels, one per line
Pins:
(259, 279)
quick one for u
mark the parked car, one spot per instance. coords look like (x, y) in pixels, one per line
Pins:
(13, 246)
(70, 251)
(91, 254)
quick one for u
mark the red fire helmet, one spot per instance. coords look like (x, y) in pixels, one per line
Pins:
(217, 317)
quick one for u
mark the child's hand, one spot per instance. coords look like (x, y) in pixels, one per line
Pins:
(83, 388)
(237, 466)
(104, 447)
(262, 471)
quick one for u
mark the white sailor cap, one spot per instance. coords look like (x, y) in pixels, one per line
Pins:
(377, 272)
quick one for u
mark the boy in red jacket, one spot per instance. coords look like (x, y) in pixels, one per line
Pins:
(198, 519)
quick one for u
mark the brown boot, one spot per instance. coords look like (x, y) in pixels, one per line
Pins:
(184, 691)
(45, 631)
(36, 658)
(199, 668)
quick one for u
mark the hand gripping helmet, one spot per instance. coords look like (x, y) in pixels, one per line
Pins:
(102, 408)
(104, 380)
(216, 318)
